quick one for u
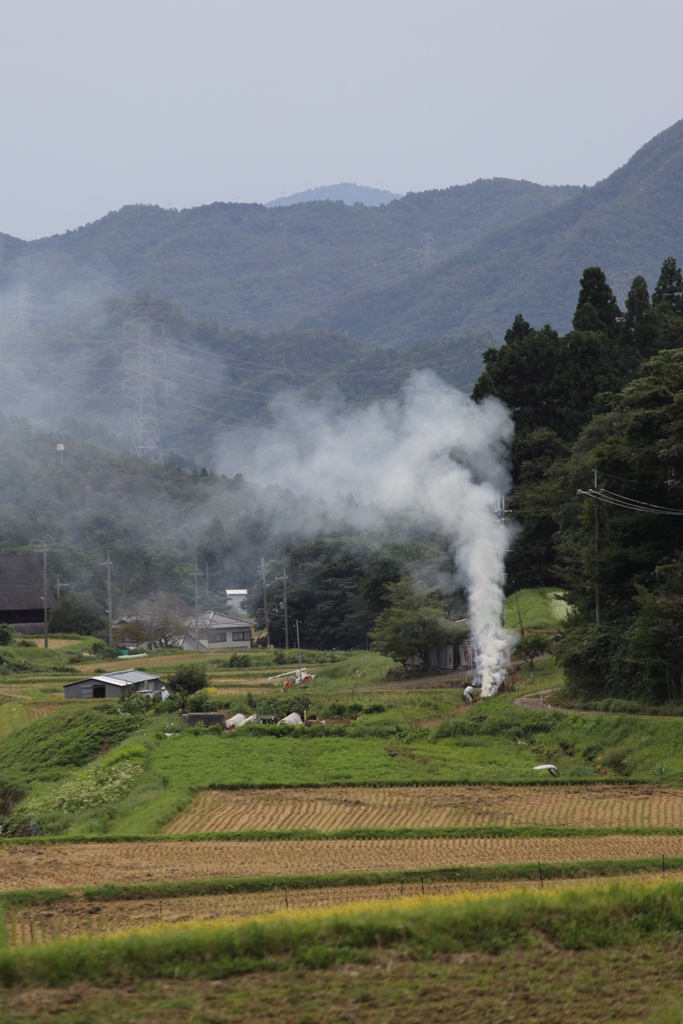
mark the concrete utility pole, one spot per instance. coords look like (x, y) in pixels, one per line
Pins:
(597, 541)
(298, 647)
(263, 573)
(110, 613)
(196, 572)
(45, 641)
(500, 515)
(283, 579)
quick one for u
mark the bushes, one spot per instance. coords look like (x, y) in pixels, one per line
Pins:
(188, 679)
(353, 710)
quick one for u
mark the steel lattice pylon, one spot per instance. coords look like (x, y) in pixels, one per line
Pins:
(145, 440)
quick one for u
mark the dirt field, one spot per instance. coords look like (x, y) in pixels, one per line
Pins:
(79, 916)
(62, 866)
(431, 806)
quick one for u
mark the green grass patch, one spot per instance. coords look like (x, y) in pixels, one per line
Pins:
(535, 608)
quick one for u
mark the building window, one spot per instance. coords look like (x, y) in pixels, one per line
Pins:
(219, 636)
(99, 691)
(240, 634)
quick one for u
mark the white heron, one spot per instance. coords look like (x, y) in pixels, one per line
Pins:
(547, 767)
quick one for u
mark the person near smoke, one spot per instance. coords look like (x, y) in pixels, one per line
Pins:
(468, 694)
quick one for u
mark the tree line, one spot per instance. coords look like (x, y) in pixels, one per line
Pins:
(597, 466)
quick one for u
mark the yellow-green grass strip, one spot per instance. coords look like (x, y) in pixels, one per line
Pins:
(601, 917)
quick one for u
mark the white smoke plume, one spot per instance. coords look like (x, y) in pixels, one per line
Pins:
(432, 453)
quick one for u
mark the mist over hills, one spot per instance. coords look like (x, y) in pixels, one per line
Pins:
(318, 297)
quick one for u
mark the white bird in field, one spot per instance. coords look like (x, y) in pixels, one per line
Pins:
(547, 767)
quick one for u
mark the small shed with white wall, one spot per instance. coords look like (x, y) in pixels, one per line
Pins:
(115, 684)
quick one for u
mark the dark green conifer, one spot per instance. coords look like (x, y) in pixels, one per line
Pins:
(596, 309)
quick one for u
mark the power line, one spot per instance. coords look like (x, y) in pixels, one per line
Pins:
(631, 504)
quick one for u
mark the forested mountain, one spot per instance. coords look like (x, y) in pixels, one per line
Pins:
(626, 224)
(347, 192)
(245, 266)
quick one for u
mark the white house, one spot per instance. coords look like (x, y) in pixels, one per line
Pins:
(217, 631)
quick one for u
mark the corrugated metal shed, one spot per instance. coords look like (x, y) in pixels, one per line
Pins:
(116, 684)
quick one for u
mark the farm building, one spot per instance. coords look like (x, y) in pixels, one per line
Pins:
(115, 684)
(449, 658)
(21, 593)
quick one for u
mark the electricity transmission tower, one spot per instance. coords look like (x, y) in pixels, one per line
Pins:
(139, 361)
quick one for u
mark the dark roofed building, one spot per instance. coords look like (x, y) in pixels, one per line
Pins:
(21, 593)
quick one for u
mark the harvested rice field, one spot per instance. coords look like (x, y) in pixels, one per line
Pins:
(79, 916)
(334, 808)
(64, 865)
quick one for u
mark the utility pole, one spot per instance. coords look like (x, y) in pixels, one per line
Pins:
(283, 579)
(196, 572)
(500, 515)
(58, 587)
(298, 647)
(263, 573)
(597, 541)
(109, 564)
(145, 441)
(45, 641)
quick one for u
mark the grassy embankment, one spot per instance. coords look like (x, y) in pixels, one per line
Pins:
(280, 967)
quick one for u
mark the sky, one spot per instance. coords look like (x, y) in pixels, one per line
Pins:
(181, 103)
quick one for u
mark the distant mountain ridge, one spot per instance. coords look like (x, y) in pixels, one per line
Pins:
(627, 224)
(245, 266)
(346, 192)
(427, 267)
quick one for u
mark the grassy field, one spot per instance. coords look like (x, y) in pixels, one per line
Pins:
(595, 986)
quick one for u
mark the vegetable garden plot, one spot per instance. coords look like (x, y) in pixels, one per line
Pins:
(333, 808)
(64, 865)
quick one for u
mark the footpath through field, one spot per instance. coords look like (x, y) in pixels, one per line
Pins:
(74, 865)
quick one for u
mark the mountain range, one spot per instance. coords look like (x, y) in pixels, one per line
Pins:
(319, 295)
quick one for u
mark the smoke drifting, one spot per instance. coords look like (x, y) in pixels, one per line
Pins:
(431, 453)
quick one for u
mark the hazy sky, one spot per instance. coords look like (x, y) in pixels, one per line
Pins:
(186, 102)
